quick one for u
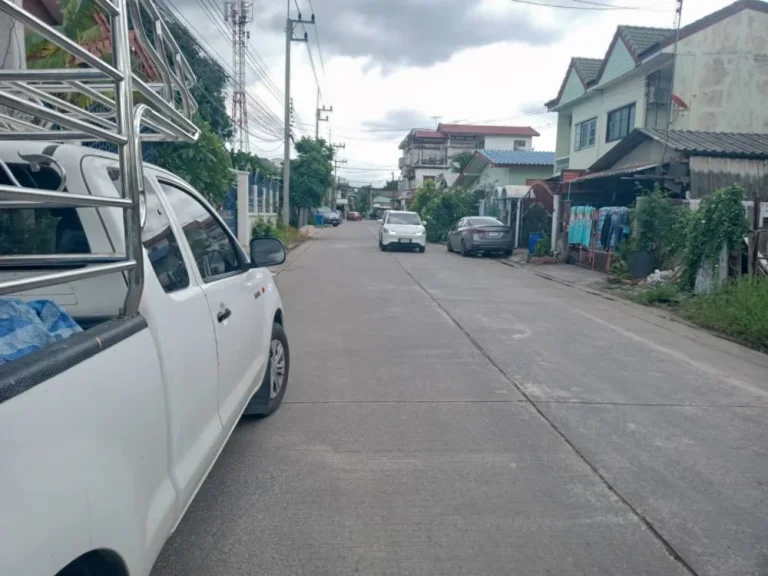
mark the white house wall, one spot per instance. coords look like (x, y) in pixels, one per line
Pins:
(619, 62)
(573, 87)
(505, 142)
(598, 105)
(722, 74)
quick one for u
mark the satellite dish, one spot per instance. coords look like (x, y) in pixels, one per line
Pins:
(679, 102)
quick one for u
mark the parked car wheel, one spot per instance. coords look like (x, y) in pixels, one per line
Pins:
(464, 251)
(448, 245)
(270, 394)
(421, 249)
(507, 253)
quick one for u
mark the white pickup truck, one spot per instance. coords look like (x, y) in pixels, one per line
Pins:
(107, 435)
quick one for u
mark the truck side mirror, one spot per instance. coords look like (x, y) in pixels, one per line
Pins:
(266, 252)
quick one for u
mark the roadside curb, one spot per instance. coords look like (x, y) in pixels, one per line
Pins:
(295, 253)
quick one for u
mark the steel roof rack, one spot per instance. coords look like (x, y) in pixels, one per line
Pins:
(45, 110)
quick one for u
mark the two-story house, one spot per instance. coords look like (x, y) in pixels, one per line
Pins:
(429, 154)
(717, 82)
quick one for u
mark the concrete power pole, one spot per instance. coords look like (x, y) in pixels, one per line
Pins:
(290, 25)
(13, 55)
(318, 118)
(335, 186)
(239, 13)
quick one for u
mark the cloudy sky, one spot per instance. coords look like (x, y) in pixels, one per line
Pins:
(391, 65)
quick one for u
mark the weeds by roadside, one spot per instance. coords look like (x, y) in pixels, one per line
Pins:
(662, 294)
(288, 235)
(738, 309)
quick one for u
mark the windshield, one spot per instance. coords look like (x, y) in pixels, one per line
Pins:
(485, 222)
(406, 218)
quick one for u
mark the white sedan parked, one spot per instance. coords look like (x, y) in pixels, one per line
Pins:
(402, 230)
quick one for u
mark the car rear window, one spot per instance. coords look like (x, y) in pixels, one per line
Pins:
(405, 218)
(485, 222)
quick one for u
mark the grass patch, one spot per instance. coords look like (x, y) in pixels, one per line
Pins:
(661, 294)
(738, 309)
(288, 235)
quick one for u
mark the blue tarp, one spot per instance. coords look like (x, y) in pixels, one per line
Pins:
(26, 327)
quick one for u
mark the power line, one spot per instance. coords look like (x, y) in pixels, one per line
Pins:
(317, 39)
(599, 7)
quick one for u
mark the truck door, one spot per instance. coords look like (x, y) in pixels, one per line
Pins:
(233, 293)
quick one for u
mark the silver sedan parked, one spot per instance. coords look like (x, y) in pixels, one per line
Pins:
(480, 234)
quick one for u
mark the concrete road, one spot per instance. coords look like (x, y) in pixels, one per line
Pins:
(451, 415)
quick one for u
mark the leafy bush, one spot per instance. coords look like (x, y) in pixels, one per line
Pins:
(738, 309)
(442, 208)
(288, 235)
(720, 219)
(661, 227)
(543, 247)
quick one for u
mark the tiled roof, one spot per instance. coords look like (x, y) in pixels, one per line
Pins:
(713, 143)
(519, 157)
(639, 38)
(487, 130)
(587, 68)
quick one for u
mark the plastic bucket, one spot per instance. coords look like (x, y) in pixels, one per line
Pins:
(533, 239)
(319, 220)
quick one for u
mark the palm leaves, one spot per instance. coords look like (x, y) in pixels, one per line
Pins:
(79, 24)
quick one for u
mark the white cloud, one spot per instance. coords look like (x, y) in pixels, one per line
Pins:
(487, 78)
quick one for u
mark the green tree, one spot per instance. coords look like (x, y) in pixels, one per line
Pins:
(361, 200)
(78, 24)
(251, 162)
(423, 196)
(391, 185)
(205, 164)
(460, 161)
(444, 209)
(311, 173)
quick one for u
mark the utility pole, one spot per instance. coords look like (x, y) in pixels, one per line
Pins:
(335, 186)
(239, 13)
(290, 25)
(678, 18)
(318, 118)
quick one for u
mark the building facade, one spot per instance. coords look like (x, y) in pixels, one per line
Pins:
(718, 82)
(429, 154)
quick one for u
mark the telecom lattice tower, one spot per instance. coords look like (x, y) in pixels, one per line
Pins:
(239, 13)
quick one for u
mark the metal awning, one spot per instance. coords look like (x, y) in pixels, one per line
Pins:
(613, 173)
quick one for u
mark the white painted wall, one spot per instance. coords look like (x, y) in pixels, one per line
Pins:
(506, 142)
(598, 104)
(722, 73)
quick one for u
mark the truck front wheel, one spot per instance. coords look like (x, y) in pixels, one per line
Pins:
(270, 394)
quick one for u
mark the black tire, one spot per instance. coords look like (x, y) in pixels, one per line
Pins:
(507, 253)
(382, 247)
(448, 245)
(421, 249)
(464, 251)
(263, 404)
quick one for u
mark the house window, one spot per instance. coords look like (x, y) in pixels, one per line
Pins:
(584, 134)
(519, 145)
(620, 123)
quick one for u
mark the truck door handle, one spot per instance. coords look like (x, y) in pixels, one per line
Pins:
(223, 314)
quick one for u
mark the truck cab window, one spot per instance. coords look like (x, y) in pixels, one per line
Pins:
(159, 241)
(39, 230)
(211, 246)
(162, 247)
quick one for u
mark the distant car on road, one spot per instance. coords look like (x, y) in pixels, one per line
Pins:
(480, 234)
(354, 216)
(330, 217)
(403, 230)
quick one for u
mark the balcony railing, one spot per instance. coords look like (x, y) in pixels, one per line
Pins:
(437, 162)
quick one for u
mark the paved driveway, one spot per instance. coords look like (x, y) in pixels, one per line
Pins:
(451, 415)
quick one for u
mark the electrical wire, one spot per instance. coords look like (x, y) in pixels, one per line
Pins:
(317, 39)
(599, 7)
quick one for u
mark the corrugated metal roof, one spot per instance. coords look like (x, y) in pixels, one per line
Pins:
(713, 143)
(617, 172)
(587, 68)
(427, 134)
(519, 157)
(486, 130)
(639, 38)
